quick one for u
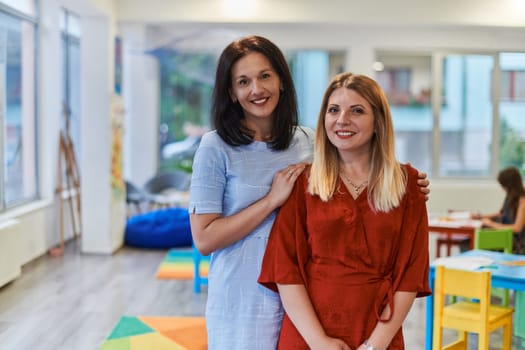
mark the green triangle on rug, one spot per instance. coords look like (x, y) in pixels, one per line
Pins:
(117, 344)
(128, 326)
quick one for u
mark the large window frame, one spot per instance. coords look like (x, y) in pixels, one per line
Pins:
(426, 97)
(18, 114)
(498, 128)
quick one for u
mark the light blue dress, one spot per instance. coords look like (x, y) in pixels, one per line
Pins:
(240, 313)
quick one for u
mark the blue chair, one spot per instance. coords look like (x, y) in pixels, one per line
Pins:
(198, 280)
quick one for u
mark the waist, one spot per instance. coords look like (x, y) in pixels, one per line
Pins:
(377, 283)
(339, 273)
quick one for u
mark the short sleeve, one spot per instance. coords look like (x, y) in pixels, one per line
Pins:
(287, 251)
(412, 268)
(208, 178)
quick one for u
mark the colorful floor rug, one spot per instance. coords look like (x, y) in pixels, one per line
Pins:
(158, 333)
(178, 264)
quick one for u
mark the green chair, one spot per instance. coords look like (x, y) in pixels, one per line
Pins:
(495, 239)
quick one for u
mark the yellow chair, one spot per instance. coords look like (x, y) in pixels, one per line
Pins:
(495, 239)
(467, 316)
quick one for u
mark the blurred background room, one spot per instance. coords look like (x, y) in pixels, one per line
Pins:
(100, 97)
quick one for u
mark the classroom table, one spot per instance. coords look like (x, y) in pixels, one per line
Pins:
(504, 276)
(452, 226)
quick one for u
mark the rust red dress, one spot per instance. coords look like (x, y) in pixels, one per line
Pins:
(350, 259)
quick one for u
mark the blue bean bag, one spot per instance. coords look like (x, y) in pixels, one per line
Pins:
(159, 229)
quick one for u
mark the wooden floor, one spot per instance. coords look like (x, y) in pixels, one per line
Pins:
(73, 302)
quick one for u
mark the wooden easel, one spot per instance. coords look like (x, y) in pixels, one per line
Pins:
(70, 186)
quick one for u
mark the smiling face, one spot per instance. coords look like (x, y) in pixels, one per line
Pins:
(255, 85)
(349, 121)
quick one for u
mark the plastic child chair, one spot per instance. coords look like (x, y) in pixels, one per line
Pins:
(467, 316)
(495, 239)
(198, 280)
(134, 198)
(159, 190)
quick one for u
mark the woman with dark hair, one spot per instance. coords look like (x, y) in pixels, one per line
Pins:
(243, 172)
(348, 252)
(228, 112)
(512, 213)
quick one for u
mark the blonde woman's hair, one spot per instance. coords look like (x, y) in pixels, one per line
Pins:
(387, 180)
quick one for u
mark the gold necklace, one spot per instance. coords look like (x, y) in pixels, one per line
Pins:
(357, 188)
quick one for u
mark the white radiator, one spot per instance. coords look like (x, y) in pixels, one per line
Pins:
(9, 251)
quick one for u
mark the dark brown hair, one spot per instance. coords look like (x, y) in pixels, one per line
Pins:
(226, 115)
(511, 181)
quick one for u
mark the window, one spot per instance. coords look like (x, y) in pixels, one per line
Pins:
(406, 80)
(18, 180)
(475, 126)
(466, 116)
(512, 85)
(311, 71)
(186, 85)
(396, 84)
(512, 110)
(70, 37)
(456, 136)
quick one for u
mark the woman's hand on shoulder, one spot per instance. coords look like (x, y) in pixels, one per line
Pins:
(423, 182)
(283, 182)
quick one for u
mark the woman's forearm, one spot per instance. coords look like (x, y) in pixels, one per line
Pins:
(213, 231)
(299, 309)
(385, 331)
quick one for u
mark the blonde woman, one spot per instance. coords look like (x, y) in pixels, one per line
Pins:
(348, 251)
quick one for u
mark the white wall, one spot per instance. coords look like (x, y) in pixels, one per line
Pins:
(103, 212)
(141, 99)
(95, 135)
(476, 196)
